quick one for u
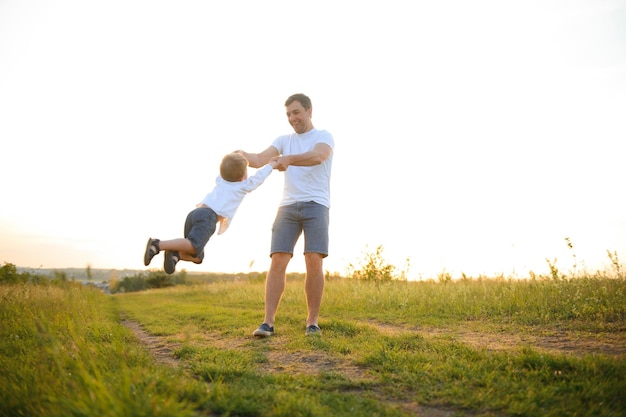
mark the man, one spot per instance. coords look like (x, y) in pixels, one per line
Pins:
(306, 158)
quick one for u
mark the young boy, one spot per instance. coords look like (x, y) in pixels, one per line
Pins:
(220, 205)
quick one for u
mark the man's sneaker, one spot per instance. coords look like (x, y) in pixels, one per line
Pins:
(313, 330)
(171, 259)
(264, 330)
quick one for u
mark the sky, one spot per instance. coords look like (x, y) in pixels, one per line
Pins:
(470, 137)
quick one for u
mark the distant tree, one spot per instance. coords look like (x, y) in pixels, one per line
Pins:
(158, 279)
(60, 276)
(8, 274)
(132, 283)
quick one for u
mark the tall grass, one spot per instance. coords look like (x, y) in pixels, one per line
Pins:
(590, 302)
(65, 353)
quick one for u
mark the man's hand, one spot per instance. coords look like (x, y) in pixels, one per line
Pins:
(282, 162)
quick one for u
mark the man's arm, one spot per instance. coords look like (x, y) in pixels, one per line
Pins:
(257, 160)
(315, 156)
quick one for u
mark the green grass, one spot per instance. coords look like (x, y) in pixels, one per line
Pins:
(491, 347)
(64, 353)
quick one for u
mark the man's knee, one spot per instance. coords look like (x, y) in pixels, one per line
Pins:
(280, 260)
(313, 261)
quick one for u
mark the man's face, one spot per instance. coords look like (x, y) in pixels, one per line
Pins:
(299, 118)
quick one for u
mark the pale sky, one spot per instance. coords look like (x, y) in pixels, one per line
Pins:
(469, 136)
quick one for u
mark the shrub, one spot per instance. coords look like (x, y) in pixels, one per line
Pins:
(9, 274)
(374, 267)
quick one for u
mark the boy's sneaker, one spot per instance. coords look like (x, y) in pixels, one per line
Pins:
(313, 330)
(171, 259)
(152, 249)
(264, 330)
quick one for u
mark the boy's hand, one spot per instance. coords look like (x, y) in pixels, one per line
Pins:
(282, 162)
(273, 162)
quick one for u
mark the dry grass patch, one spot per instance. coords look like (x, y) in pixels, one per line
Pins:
(577, 343)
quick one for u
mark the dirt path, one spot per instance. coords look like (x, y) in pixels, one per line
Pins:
(161, 350)
(282, 361)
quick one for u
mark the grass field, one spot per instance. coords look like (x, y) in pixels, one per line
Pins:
(475, 347)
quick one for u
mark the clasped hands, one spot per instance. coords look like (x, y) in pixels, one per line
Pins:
(280, 162)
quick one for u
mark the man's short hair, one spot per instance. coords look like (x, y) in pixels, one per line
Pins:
(304, 100)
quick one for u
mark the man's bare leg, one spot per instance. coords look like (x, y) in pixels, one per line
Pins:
(313, 286)
(275, 285)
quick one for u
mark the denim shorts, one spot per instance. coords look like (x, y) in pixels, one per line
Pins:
(199, 227)
(293, 219)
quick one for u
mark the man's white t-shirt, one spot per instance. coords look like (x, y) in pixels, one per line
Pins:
(306, 183)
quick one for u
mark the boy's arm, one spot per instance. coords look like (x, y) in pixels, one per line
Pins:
(253, 182)
(257, 160)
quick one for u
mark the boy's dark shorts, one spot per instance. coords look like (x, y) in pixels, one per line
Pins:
(199, 227)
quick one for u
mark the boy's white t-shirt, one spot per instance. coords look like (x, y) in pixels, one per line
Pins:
(306, 183)
(226, 196)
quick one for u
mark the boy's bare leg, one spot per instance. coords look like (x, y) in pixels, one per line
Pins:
(184, 248)
(180, 245)
(184, 256)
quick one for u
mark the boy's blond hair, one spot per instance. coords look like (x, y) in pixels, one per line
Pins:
(233, 167)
